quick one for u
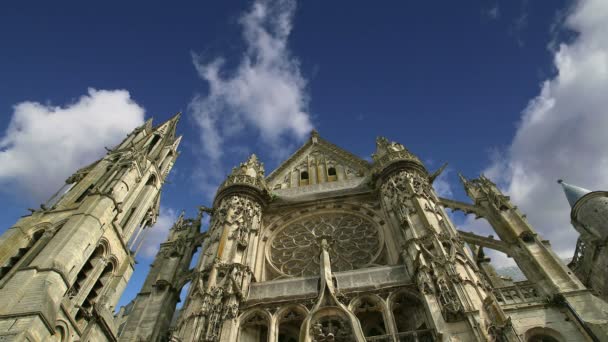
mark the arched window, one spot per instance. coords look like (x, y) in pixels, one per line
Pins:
(331, 171)
(254, 328)
(410, 317)
(542, 334)
(290, 322)
(304, 178)
(369, 312)
(97, 289)
(90, 282)
(84, 194)
(21, 252)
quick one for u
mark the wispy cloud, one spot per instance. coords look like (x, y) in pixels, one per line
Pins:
(562, 132)
(44, 144)
(492, 13)
(520, 23)
(265, 95)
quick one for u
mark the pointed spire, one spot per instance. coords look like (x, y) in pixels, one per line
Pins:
(168, 127)
(314, 136)
(463, 180)
(573, 192)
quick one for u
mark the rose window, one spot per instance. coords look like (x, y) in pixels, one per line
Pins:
(355, 242)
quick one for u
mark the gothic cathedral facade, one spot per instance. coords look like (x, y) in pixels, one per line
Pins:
(328, 247)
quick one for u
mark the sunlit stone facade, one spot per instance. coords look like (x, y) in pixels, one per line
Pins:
(327, 247)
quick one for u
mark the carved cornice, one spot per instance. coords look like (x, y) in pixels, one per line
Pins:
(244, 184)
(394, 161)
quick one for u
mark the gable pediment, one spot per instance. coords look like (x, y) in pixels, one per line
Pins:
(316, 163)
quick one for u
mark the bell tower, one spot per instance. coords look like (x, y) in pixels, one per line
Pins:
(64, 266)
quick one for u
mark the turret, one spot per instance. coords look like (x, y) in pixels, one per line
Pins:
(589, 214)
(226, 267)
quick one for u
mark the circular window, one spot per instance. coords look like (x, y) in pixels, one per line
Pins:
(355, 242)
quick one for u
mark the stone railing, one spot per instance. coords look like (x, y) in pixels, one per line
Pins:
(424, 335)
(520, 292)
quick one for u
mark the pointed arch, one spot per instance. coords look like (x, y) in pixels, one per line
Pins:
(289, 322)
(254, 326)
(409, 314)
(372, 313)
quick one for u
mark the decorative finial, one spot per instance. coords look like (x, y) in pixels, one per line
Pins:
(314, 136)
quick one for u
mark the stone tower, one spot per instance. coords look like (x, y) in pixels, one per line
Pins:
(64, 266)
(331, 247)
(589, 216)
(150, 314)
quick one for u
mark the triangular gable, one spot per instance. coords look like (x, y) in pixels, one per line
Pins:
(322, 161)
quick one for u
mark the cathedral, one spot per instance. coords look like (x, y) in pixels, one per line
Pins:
(328, 247)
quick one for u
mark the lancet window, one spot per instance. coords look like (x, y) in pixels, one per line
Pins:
(410, 319)
(254, 328)
(370, 313)
(290, 322)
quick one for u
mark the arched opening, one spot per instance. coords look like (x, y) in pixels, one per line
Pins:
(254, 328)
(84, 194)
(194, 258)
(153, 143)
(304, 178)
(290, 322)
(369, 312)
(410, 318)
(542, 334)
(332, 175)
(21, 252)
(97, 290)
(88, 267)
(179, 303)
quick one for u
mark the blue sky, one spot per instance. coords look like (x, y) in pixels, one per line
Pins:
(510, 88)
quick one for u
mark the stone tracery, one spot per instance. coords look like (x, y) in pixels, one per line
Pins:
(355, 242)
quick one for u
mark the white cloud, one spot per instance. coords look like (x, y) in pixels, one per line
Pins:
(44, 144)
(265, 94)
(442, 185)
(563, 131)
(158, 233)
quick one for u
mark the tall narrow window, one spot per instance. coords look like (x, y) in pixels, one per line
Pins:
(410, 318)
(304, 178)
(289, 325)
(155, 140)
(96, 291)
(331, 174)
(84, 194)
(254, 328)
(369, 313)
(10, 263)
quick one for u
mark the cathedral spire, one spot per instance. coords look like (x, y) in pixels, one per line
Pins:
(168, 127)
(573, 193)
